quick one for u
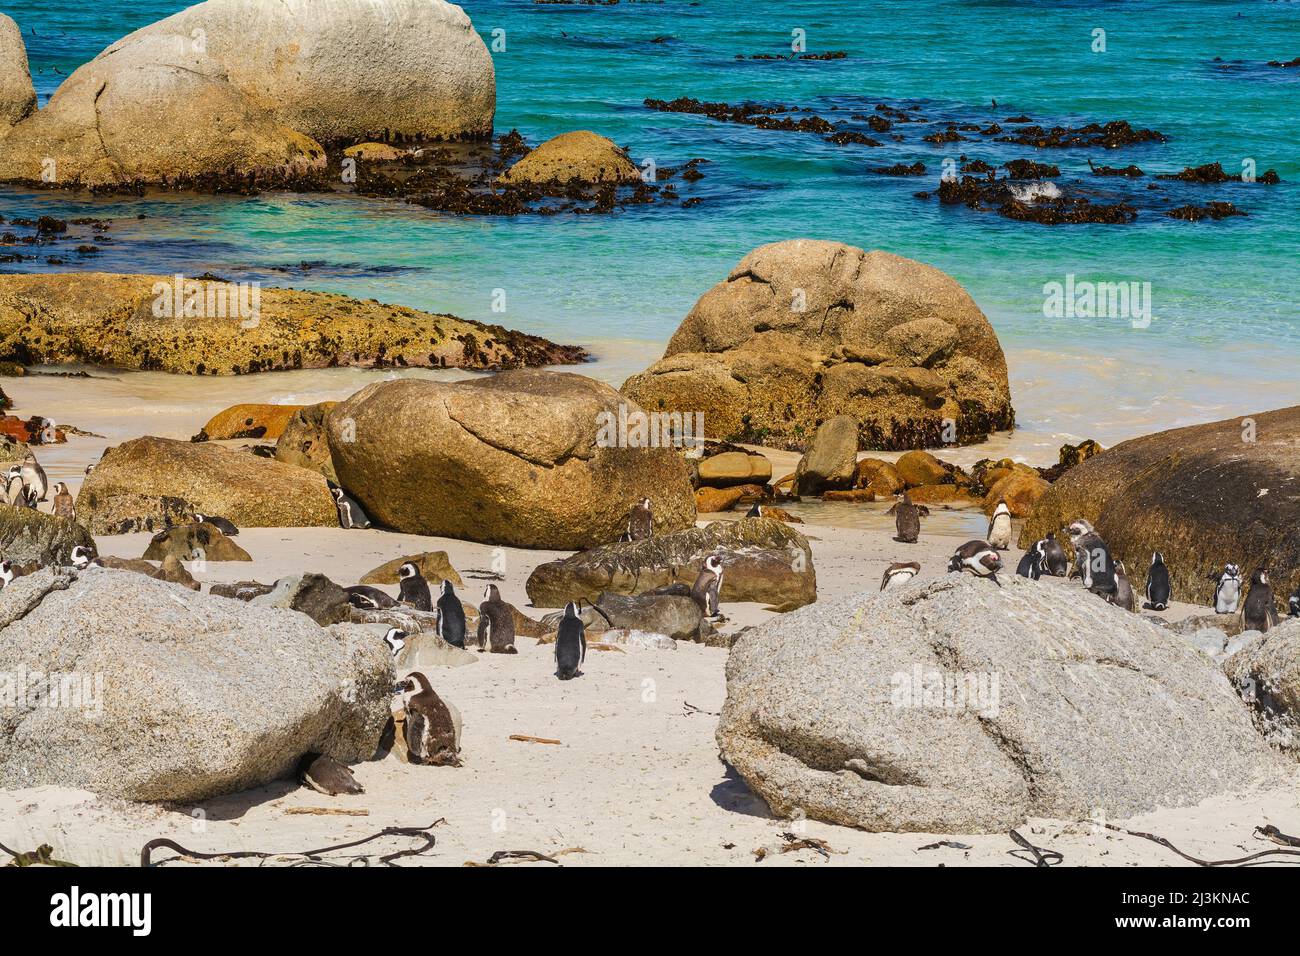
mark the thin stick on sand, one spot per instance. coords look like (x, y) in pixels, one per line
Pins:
(529, 739)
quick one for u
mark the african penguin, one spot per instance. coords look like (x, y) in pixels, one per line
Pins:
(570, 644)
(907, 518)
(1054, 560)
(82, 557)
(326, 775)
(979, 558)
(1122, 596)
(224, 525)
(1228, 591)
(707, 588)
(6, 574)
(451, 616)
(369, 598)
(34, 477)
(999, 533)
(429, 729)
(1031, 563)
(1158, 590)
(16, 491)
(413, 588)
(396, 640)
(640, 522)
(350, 513)
(1293, 603)
(755, 511)
(899, 574)
(1258, 612)
(496, 623)
(1093, 560)
(63, 504)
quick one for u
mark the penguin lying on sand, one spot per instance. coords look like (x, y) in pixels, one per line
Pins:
(326, 775)
(369, 598)
(899, 574)
(570, 644)
(979, 558)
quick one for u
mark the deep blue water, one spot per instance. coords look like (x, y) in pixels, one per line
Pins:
(1226, 327)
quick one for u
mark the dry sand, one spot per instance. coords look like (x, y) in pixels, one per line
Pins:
(636, 777)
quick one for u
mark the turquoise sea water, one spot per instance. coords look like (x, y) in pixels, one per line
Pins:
(1225, 333)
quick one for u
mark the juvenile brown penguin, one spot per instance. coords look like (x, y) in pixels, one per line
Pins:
(429, 729)
(326, 775)
(640, 522)
(1258, 613)
(907, 518)
(496, 623)
(64, 506)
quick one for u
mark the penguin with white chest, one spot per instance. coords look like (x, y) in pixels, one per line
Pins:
(395, 638)
(1054, 560)
(350, 513)
(33, 476)
(326, 775)
(82, 557)
(1031, 563)
(367, 598)
(899, 574)
(429, 729)
(707, 588)
(451, 616)
(1158, 587)
(6, 574)
(1259, 613)
(1093, 560)
(979, 558)
(1227, 592)
(496, 623)
(570, 644)
(999, 533)
(413, 588)
(640, 521)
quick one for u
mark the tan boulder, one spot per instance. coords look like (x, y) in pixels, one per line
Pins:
(920, 468)
(880, 477)
(804, 330)
(831, 460)
(194, 542)
(941, 495)
(142, 477)
(264, 422)
(375, 152)
(851, 494)
(17, 97)
(734, 468)
(171, 569)
(580, 155)
(303, 442)
(105, 319)
(1020, 490)
(524, 458)
(712, 500)
(435, 566)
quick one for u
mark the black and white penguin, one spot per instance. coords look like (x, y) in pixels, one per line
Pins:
(429, 729)
(326, 775)
(396, 640)
(979, 558)
(63, 504)
(1093, 560)
(34, 477)
(82, 557)
(999, 533)
(1293, 603)
(570, 644)
(1122, 596)
(1031, 563)
(1158, 588)
(496, 623)
(1258, 613)
(369, 598)
(224, 525)
(451, 616)
(413, 588)
(6, 574)
(1054, 560)
(899, 574)
(350, 513)
(707, 588)
(1227, 593)
(755, 511)
(15, 490)
(907, 518)
(640, 522)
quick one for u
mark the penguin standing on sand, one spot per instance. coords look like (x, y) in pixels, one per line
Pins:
(16, 491)
(496, 623)
(1259, 613)
(899, 574)
(1031, 563)
(63, 504)
(999, 533)
(451, 616)
(1093, 560)
(979, 558)
(640, 522)
(429, 729)
(570, 644)
(1054, 561)
(1228, 591)
(707, 588)
(1123, 593)
(350, 513)
(1158, 589)
(396, 640)
(413, 588)
(326, 775)
(907, 518)
(224, 525)
(34, 477)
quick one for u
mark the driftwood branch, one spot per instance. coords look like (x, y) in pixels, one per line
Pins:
(311, 855)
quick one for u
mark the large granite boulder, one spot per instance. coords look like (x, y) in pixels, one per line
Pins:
(763, 560)
(303, 442)
(521, 458)
(1202, 495)
(139, 478)
(194, 542)
(831, 461)
(673, 614)
(581, 155)
(252, 88)
(17, 97)
(220, 328)
(174, 695)
(804, 330)
(1266, 672)
(28, 536)
(249, 420)
(960, 707)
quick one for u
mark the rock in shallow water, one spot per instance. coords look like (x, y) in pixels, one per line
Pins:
(183, 696)
(1071, 706)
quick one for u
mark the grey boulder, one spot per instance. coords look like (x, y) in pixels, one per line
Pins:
(1266, 673)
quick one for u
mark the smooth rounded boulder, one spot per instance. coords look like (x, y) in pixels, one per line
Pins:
(961, 707)
(17, 97)
(804, 330)
(524, 458)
